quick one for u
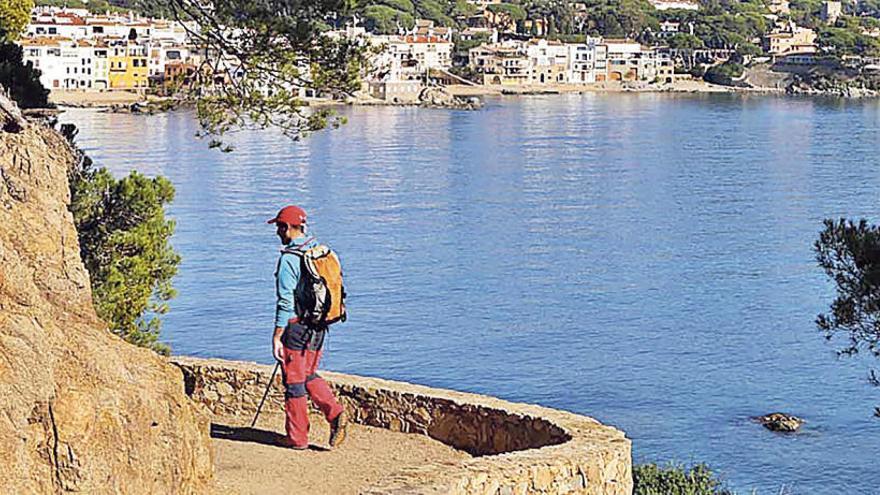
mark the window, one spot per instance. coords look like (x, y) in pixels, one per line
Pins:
(41, 30)
(68, 70)
(34, 52)
(53, 30)
(54, 52)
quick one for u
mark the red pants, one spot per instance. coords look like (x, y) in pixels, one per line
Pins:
(301, 380)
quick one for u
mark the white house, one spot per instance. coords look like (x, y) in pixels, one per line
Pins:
(67, 64)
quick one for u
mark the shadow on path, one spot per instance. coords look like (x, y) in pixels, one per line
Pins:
(253, 435)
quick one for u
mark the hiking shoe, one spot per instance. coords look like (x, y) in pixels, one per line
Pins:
(337, 429)
(288, 443)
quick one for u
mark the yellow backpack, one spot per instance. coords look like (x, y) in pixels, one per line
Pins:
(321, 294)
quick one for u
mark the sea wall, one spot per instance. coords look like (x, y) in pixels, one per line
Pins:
(518, 448)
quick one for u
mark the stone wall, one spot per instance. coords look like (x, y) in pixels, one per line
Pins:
(519, 448)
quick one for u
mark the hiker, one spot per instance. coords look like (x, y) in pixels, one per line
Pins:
(299, 335)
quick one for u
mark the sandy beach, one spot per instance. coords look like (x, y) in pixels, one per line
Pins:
(75, 98)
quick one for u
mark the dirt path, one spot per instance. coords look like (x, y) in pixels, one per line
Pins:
(247, 462)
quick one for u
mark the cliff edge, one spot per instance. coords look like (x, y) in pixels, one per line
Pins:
(82, 410)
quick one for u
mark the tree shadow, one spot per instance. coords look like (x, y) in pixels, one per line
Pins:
(252, 435)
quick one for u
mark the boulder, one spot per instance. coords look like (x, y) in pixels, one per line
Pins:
(82, 410)
(780, 422)
(437, 97)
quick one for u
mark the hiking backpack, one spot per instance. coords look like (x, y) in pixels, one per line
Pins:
(319, 286)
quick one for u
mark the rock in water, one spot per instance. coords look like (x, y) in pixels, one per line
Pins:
(437, 97)
(82, 410)
(780, 422)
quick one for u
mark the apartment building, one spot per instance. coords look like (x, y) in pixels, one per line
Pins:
(789, 38)
(630, 61)
(128, 66)
(65, 63)
(505, 63)
(584, 62)
(547, 62)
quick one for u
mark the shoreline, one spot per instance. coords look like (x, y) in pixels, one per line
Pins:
(682, 86)
(114, 100)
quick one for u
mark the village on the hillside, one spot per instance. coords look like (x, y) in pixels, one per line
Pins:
(78, 50)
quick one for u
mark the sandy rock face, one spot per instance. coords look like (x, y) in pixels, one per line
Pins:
(80, 410)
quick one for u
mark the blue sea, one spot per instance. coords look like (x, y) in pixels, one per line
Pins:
(643, 259)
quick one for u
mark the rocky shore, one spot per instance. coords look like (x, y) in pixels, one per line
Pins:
(837, 91)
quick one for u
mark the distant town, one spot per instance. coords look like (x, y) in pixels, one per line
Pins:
(82, 51)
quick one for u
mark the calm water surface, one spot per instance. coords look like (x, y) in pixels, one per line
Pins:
(643, 259)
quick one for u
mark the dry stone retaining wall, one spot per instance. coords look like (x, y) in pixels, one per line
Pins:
(519, 448)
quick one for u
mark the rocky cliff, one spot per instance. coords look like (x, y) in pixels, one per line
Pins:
(81, 409)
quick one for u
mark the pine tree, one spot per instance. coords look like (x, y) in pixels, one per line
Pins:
(124, 244)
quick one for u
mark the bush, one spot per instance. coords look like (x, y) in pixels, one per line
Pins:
(401, 5)
(651, 479)
(124, 244)
(724, 74)
(386, 20)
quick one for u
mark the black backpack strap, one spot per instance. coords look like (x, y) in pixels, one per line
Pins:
(298, 250)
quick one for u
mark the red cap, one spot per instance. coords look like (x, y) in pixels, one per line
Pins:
(291, 215)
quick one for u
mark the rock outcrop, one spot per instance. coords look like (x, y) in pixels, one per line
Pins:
(437, 97)
(781, 422)
(81, 409)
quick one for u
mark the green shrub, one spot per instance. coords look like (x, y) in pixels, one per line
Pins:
(651, 479)
(384, 19)
(124, 243)
(724, 74)
(401, 5)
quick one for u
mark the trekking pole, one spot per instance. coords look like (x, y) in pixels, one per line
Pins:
(266, 393)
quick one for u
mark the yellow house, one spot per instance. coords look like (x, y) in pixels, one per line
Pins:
(128, 66)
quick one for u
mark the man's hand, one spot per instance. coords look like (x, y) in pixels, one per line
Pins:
(277, 346)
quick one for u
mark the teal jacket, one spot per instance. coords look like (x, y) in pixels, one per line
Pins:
(286, 278)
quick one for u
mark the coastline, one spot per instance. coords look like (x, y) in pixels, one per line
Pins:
(122, 99)
(681, 86)
(97, 99)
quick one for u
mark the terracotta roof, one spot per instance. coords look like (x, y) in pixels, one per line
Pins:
(425, 39)
(71, 19)
(42, 41)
